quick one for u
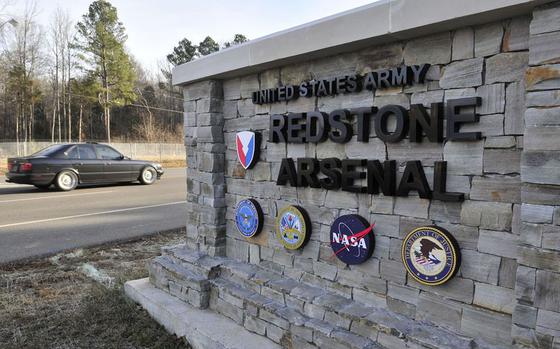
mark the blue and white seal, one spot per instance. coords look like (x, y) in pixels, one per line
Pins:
(352, 239)
(431, 255)
(248, 217)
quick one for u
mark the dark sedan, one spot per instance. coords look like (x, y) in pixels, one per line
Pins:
(68, 165)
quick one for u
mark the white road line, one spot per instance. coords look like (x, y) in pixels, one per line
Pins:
(90, 214)
(56, 196)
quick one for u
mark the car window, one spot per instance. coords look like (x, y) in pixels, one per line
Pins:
(72, 153)
(87, 152)
(51, 150)
(107, 153)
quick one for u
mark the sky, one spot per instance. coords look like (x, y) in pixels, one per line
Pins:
(155, 26)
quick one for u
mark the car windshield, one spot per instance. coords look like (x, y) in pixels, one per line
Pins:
(50, 150)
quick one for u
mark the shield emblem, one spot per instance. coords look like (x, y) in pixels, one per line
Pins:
(246, 147)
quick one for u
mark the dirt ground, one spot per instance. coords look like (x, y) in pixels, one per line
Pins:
(76, 299)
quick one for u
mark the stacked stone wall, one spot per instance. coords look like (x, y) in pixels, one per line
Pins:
(507, 227)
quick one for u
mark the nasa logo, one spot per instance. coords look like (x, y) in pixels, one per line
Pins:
(247, 148)
(431, 255)
(248, 217)
(352, 239)
(292, 227)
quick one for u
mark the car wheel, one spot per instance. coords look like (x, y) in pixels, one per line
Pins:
(42, 187)
(148, 175)
(66, 181)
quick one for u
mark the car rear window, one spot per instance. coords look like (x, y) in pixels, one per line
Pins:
(51, 150)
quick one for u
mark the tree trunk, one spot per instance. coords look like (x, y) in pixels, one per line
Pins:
(80, 125)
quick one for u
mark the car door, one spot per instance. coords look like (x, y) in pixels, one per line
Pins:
(90, 168)
(116, 168)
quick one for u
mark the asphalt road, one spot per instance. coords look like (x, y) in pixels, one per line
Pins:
(36, 223)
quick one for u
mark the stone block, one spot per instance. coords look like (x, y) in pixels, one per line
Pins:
(445, 211)
(525, 315)
(539, 258)
(210, 134)
(248, 84)
(439, 53)
(412, 207)
(329, 149)
(439, 310)
(475, 323)
(493, 99)
(506, 67)
(540, 167)
(548, 322)
(393, 271)
(463, 44)
(543, 98)
(467, 73)
(466, 236)
(381, 204)
(542, 117)
(546, 19)
(373, 149)
(487, 215)
(379, 57)
(401, 307)
(551, 237)
(515, 107)
(525, 283)
(396, 99)
(542, 138)
(516, 37)
(496, 189)
(498, 243)
(256, 325)
(426, 152)
(546, 290)
(488, 126)
(369, 298)
(203, 89)
(501, 142)
(508, 269)
(403, 293)
(464, 158)
(458, 289)
(427, 98)
(503, 161)
(488, 39)
(544, 48)
(543, 77)
(536, 213)
(385, 225)
(459, 93)
(494, 297)
(341, 199)
(480, 266)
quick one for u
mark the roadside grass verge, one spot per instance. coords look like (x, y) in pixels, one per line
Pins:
(54, 303)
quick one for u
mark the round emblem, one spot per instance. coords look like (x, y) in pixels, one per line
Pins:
(292, 227)
(431, 255)
(248, 217)
(352, 239)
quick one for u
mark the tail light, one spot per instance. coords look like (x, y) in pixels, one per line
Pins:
(25, 167)
(10, 166)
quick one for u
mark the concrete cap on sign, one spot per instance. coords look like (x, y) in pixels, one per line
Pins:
(379, 22)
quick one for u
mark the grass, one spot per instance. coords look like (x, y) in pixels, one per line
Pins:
(51, 303)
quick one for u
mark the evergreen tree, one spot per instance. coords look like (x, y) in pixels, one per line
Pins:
(184, 52)
(100, 38)
(237, 39)
(208, 46)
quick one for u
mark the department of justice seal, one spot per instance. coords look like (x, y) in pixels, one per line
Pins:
(431, 255)
(292, 227)
(352, 239)
(248, 217)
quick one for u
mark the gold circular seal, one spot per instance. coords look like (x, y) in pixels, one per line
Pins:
(292, 227)
(431, 255)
